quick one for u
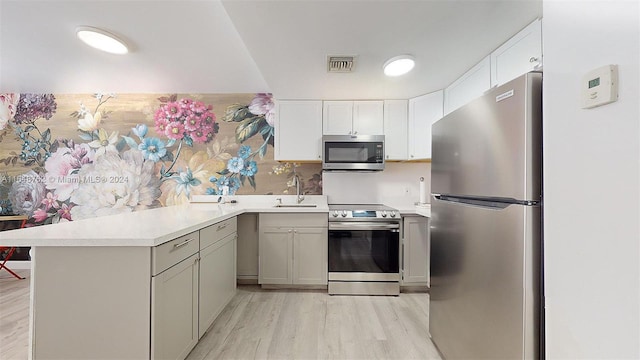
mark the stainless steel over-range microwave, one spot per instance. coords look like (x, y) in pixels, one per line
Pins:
(353, 152)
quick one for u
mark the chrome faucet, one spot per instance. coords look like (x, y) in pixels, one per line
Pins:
(296, 181)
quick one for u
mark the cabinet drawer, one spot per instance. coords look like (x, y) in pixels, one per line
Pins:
(216, 232)
(170, 253)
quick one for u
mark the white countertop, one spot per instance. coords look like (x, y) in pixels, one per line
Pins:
(156, 226)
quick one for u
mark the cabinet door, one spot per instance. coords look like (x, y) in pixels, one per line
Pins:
(248, 246)
(416, 251)
(310, 260)
(337, 117)
(423, 112)
(469, 86)
(174, 310)
(395, 129)
(520, 54)
(275, 262)
(298, 130)
(368, 118)
(217, 280)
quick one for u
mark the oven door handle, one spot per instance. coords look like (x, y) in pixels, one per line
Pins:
(362, 226)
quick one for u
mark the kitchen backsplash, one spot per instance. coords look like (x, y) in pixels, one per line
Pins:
(67, 157)
(398, 184)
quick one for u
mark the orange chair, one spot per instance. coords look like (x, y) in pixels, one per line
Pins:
(6, 258)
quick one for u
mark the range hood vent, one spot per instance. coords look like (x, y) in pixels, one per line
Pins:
(340, 64)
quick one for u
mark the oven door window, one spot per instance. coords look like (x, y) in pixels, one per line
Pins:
(367, 251)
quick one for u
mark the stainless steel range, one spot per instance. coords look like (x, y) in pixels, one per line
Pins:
(364, 250)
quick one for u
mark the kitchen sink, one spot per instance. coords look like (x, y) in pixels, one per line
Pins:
(295, 205)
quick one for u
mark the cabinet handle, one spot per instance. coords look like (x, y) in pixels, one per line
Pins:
(411, 155)
(349, 132)
(533, 59)
(355, 133)
(289, 231)
(220, 227)
(176, 246)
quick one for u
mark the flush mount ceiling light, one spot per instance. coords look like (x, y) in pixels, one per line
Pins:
(101, 40)
(398, 65)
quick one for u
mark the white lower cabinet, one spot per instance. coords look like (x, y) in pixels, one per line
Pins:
(310, 256)
(416, 251)
(174, 302)
(293, 249)
(217, 271)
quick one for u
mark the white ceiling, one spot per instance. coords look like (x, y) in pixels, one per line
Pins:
(231, 46)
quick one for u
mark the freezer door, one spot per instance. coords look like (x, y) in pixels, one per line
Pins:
(485, 265)
(492, 146)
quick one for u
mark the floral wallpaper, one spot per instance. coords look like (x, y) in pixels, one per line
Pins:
(70, 157)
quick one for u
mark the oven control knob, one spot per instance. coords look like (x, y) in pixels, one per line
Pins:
(344, 213)
(384, 213)
(393, 214)
(335, 213)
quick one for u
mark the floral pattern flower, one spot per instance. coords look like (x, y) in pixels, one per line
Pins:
(235, 164)
(127, 183)
(89, 122)
(8, 108)
(244, 152)
(140, 131)
(35, 106)
(50, 201)
(250, 168)
(263, 104)
(186, 119)
(62, 169)
(37, 144)
(26, 193)
(202, 166)
(65, 211)
(186, 181)
(153, 149)
(105, 143)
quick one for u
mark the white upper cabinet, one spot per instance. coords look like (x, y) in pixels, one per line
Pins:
(520, 54)
(423, 111)
(395, 129)
(352, 118)
(298, 130)
(469, 86)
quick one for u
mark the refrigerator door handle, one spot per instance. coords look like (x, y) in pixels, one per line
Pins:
(486, 202)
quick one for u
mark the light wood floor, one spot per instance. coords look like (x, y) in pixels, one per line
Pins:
(281, 324)
(14, 315)
(275, 324)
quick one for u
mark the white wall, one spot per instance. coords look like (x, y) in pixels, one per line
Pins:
(397, 185)
(591, 183)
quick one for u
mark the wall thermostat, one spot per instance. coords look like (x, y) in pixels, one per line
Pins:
(600, 86)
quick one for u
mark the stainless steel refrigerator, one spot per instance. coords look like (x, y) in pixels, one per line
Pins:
(486, 266)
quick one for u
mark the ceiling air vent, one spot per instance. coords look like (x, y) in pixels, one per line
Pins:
(340, 64)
